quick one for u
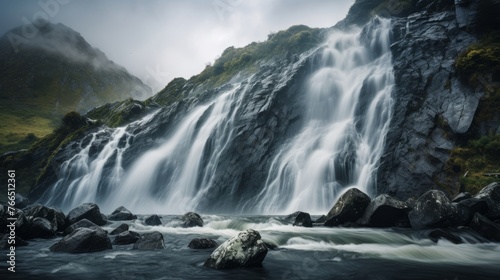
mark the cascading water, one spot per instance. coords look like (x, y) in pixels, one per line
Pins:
(348, 110)
(345, 115)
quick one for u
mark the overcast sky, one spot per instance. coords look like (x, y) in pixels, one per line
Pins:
(158, 40)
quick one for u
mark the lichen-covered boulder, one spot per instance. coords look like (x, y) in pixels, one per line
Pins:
(432, 210)
(243, 250)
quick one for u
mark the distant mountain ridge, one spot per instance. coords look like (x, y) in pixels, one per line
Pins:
(55, 72)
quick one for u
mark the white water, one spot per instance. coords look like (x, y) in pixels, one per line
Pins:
(341, 143)
(347, 109)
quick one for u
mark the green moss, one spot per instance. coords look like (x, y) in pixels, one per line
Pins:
(294, 40)
(171, 93)
(480, 59)
(474, 160)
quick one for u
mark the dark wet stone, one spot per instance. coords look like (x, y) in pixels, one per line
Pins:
(202, 243)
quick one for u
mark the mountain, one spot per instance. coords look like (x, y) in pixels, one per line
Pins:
(51, 73)
(398, 104)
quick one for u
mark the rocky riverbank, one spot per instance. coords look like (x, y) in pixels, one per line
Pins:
(82, 230)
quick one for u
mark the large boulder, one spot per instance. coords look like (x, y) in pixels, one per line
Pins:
(432, 210)
(83, 240)
(202, 243)
(191, 219)
(55, 216)
(89, 211)
(491, 195)
(349, 208)
(121, 214)
(121, 228)
(153, 220)
(385, 211)
(303, 219)
(150, 241)
(485, 227)
(127, 237)
(243, 250)
(80, 224)
(41, 228)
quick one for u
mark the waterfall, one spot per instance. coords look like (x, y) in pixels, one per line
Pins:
(347, 115)
(346, 109)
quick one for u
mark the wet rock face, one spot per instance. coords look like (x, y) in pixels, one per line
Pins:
(428, 99)
(243, 250)
(349, 208)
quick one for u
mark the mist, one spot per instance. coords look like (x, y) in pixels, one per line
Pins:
(160, 40)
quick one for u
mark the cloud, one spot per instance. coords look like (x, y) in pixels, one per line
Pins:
(159, 40)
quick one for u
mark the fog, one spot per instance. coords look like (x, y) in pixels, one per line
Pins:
(160, 40)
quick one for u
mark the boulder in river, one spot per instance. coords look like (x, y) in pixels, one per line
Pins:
(461, 196)
(55, 216)
(303, 219)
(80, 224)
(485, 227)
(349, 208)
(83, 240)
(153, 220)
(202, 243)
(41, 228)
(150, 241)
(243, 250)
(126, 237)
(191, 219)
(432, 210)
(439, 233)
(121, 214)
(491, 195)
(121, 228)
(89, 211)
(385, 211)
